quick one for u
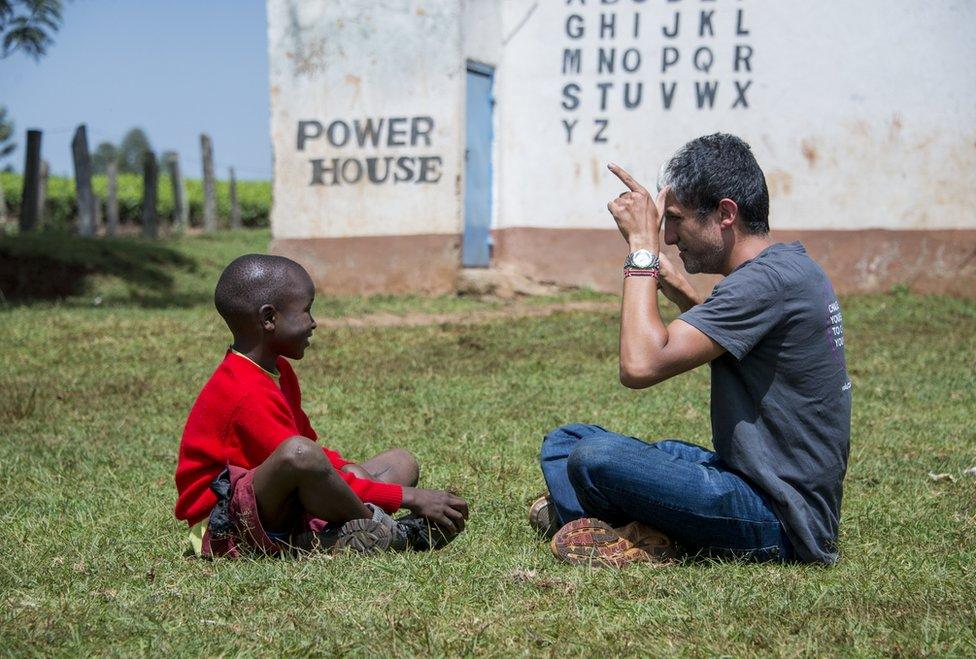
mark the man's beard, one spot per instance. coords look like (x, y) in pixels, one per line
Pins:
(708, 260)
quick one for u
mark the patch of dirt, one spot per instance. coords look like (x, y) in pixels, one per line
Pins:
(517, 310)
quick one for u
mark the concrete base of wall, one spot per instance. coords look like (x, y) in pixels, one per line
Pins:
(426, 264)
(870, 260)
(941, 261)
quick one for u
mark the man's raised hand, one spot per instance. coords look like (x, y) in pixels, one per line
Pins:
(637, 215)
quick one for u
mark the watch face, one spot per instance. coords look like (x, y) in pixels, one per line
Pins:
(642, 258)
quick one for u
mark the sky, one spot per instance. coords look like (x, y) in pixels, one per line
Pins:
(174, 68)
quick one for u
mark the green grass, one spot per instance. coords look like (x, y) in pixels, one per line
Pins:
(92, 402)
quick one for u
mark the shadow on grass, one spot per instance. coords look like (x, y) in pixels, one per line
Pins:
(54, 266)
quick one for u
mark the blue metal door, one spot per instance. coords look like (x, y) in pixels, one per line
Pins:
(475, 247)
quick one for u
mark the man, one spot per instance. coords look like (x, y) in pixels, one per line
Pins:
(772, 334)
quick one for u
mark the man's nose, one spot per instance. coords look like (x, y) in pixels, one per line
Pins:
(670, 237)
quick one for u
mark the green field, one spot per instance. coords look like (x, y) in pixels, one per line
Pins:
(94, 396)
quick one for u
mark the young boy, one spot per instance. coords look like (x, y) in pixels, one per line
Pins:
(251, 477)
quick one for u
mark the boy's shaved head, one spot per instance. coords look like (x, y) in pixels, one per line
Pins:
(251, 281)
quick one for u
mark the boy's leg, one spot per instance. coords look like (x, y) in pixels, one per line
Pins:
(297, 477)
(679, 489)
(394, 466)
(556, 449)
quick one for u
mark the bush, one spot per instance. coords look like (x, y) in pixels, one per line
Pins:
(60, 208)
(54, 265)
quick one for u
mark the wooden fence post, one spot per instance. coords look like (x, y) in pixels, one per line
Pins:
(98, 213)
(83, 187)
(112, 200)
(150, 179)
(3, 205)
(235, 209)
(30, 213)
(209, 193)
(42, 192)
(180, 215)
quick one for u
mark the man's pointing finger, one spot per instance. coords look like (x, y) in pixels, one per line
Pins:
(626, 178)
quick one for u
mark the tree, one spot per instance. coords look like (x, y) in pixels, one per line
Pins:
(27, 25)
(166, 156)
(132, 150)
(105, 153)
(7, 145)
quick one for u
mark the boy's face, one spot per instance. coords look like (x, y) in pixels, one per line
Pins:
(293, 319)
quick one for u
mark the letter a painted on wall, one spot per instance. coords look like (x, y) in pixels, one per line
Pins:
(475, 247)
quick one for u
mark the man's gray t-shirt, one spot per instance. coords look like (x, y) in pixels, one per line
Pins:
(781, 398)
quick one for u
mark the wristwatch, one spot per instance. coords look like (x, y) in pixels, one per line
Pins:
(642, 260)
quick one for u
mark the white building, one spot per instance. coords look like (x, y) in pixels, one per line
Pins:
(411, 136)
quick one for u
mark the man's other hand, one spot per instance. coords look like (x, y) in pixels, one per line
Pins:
(676, 286)
(443, 508)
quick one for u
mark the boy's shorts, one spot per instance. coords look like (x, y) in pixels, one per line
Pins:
(235, 528)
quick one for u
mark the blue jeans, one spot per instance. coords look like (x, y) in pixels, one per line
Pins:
(680, 489)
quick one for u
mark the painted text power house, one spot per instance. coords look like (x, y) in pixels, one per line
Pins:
(369, 150)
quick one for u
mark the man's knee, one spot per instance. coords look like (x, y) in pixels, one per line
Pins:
(556, 440)
(301, 455)
(591, 460)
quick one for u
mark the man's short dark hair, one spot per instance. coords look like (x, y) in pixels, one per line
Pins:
(251, 281)
(715, 167)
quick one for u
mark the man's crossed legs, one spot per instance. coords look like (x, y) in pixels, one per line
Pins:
(680, 489)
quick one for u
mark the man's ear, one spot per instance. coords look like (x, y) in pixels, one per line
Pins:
(268, 314)
(728, 212)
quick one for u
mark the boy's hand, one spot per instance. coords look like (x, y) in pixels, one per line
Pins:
(442, 508)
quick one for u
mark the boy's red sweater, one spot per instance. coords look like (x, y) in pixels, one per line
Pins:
(240, 418)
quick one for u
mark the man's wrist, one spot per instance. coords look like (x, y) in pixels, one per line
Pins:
(642, 259)
(652, 273)
(652, 246)
(408, 497)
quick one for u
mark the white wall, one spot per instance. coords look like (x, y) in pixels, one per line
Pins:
(340, 62)
(862, 114)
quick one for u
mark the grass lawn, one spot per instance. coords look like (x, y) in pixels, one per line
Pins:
(93, 399)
